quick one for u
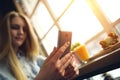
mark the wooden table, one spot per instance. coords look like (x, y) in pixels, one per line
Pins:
(104, 63)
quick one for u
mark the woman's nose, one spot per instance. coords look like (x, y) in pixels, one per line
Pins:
(21, 31)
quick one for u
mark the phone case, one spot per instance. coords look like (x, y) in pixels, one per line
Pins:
(64, 36)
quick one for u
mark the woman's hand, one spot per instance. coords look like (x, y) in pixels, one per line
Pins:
(71, 71)
(55, 68)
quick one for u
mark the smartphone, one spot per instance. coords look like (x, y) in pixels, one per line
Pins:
(64, 36)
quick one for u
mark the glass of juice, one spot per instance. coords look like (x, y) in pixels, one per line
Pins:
(82, 52)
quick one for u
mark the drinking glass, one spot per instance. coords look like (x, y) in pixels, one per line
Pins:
(82, 52)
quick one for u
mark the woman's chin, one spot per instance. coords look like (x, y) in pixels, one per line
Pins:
(18, 44)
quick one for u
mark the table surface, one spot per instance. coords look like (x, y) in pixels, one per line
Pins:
(100, 64)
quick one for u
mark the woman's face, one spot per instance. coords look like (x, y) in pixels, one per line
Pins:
(18, 31)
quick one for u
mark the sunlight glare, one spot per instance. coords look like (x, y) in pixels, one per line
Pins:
(80, 20)
(110, 8)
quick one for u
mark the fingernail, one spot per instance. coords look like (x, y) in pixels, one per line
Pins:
(54, 48)
(68, 42)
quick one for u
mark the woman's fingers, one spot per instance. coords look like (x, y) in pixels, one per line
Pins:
(51, 55)
(66, 60)
(60, 51)
(71, 72)
(56, 53)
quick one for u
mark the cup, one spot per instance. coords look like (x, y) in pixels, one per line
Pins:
(82, 52)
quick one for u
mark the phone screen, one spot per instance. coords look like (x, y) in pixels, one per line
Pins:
(64, 36)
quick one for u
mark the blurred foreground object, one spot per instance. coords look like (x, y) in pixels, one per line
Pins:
(107, 76)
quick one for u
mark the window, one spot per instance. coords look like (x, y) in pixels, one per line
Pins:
(73, 15)
(50, 40)
(110, 8)
(81, 21)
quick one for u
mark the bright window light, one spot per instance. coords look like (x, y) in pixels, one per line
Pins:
(42, 20)
(81, 21)
(58, 6)
(110, 8)
(50, 41)
(78, 18)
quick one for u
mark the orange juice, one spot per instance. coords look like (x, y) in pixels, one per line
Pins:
(82, 52)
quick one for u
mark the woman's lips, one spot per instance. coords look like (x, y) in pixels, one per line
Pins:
(19, 38)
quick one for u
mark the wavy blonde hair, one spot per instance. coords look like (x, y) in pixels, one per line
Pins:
(30, 47)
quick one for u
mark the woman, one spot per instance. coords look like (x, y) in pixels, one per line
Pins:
(19, 53)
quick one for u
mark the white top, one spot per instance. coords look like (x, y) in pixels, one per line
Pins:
(30, 68)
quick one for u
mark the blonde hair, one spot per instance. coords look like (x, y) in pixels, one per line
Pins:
(30, 47)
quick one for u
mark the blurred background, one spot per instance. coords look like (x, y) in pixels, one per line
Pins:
(89, 20)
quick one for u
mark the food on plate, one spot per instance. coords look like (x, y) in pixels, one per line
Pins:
(109, 41)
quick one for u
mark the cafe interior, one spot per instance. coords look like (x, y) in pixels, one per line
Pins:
(91, 23)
